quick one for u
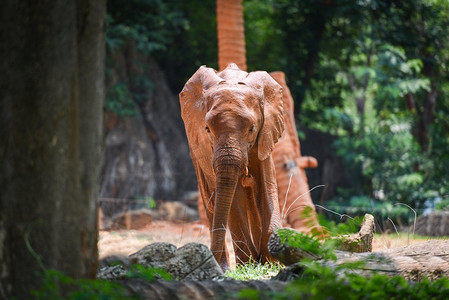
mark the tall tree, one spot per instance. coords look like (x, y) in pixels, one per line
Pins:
(50, 136)
(231, 34)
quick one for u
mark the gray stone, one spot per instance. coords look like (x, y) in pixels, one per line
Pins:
(433, 224)
(193, 261)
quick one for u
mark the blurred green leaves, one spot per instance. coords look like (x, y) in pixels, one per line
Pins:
(136, 29)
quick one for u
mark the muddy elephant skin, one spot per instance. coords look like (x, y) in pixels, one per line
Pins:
(295, 203)
(233, 120)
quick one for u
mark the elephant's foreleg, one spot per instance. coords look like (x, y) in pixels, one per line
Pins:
(241, 230)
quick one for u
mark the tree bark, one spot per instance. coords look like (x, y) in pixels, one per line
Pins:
(428, 259)
(51, 128)
(198, 290)
(231, 34)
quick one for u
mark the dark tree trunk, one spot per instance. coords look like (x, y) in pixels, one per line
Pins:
(427, 114)
(50, 139)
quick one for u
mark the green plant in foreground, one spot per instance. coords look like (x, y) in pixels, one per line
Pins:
(56, 285)
(148, 274)
(320, 281)
(323, 282)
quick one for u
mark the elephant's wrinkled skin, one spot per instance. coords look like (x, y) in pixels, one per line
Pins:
(295, 203)
(233, 120)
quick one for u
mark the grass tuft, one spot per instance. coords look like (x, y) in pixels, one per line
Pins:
(254, 271)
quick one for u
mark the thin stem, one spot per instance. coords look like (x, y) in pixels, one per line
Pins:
(414, 221)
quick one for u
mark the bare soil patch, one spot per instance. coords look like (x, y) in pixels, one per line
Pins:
(126, 242)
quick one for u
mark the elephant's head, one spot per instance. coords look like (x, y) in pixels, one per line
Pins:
(231, 117)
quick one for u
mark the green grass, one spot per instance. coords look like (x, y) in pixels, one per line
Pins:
(254, 271)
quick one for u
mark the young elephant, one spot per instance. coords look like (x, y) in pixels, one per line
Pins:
(232, 120)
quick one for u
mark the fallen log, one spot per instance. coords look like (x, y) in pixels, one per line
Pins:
(279, 244)
(428, 259)
(198, 290)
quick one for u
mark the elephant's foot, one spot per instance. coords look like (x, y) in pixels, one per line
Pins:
(281, 248)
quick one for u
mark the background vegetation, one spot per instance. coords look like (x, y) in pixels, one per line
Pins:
(373, 73)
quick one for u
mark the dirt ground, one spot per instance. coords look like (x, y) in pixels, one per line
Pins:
(126, 242)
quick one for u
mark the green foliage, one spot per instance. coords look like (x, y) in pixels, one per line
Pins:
(150, 202)
(320, 282)
(148, 274)
(143, 26)
(443, 205)
(59, 286)
(192, 46)
(391, 166)
(56, 285)
(397, 76)
(351, 225)
(311, 246)
(376, 64)
(151, 24)
(119, 100)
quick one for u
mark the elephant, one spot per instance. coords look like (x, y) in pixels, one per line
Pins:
(295, 203)
(232, 120)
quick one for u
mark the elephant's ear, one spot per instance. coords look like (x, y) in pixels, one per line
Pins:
(193, 112)
(273, 112)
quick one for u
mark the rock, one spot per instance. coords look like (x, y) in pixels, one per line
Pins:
(177, 212)
(433, 224)
(146, 153)
(193, 261)
(173, 211)
(134, 219)
(129, 167)
(190, 198)
(154, 254)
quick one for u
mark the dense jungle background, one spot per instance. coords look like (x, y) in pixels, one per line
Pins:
(370, 81)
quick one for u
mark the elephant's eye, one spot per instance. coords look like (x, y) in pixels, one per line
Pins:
(207, 129)
(252, 128)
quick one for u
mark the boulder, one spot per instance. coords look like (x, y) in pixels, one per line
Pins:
(173, 211)
(176, 211)
(146, 154)
(433, 224)
(193, 261)
(131, 220)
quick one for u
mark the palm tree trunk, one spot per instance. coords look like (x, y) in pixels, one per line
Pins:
(231, 34)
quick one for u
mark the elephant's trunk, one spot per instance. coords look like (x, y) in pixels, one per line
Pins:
(228, 172)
